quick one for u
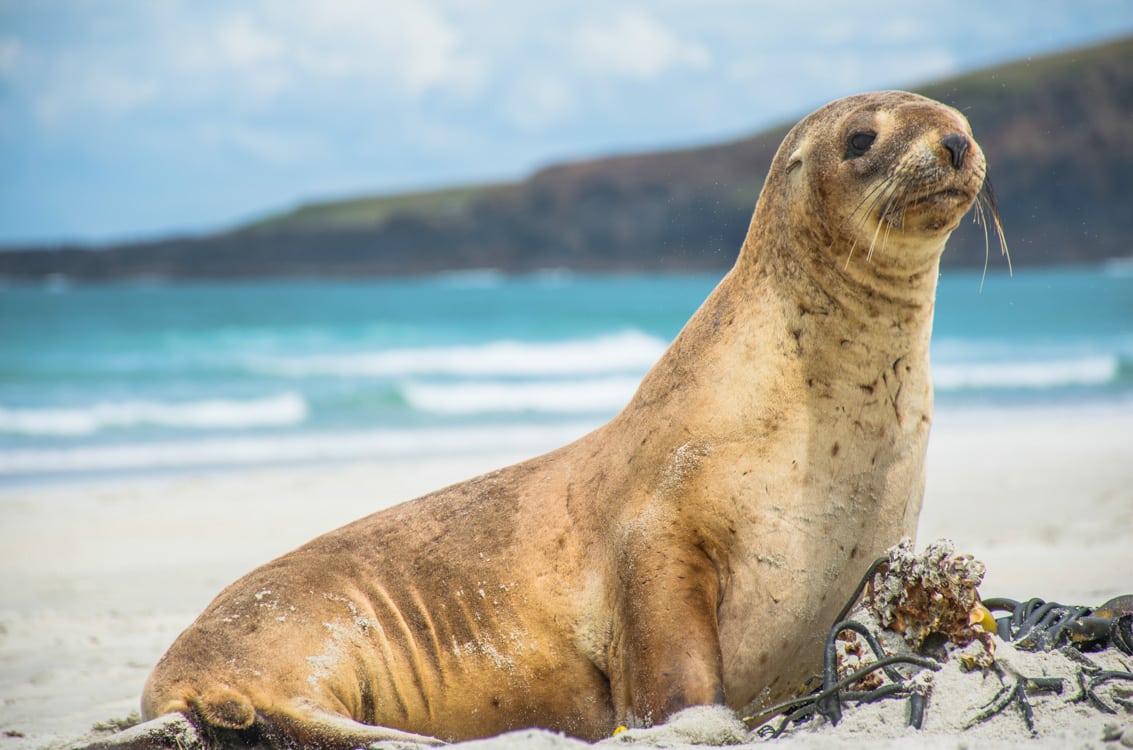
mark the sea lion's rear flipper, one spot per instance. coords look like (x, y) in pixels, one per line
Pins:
(306, 726)
(296, 726)
(169, 731)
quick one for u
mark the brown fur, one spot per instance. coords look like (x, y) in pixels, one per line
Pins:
(693, 550)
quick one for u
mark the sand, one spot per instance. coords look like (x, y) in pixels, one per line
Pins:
(100, 575)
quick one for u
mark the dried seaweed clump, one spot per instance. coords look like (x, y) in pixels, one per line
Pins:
(852, 656)
(931, 600)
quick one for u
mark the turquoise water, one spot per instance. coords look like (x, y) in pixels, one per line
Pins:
(139, 377)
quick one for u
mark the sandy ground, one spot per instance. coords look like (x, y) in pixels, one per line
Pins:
(98, 577)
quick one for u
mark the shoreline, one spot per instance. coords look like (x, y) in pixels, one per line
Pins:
(336, 449)
(101, 574)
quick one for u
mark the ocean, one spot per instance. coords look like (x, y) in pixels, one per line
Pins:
(144, 377)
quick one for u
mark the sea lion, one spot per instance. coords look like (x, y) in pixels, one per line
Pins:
(693, 550)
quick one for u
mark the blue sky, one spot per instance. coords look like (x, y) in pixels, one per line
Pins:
(140, 118)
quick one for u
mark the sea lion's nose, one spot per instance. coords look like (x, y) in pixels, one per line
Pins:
(957, 145)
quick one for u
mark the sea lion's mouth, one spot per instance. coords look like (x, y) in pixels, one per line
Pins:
(956, 195)
(948, 193)
(942, 203)
(937, 197)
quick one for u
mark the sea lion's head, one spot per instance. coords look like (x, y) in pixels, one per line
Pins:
(884, 176)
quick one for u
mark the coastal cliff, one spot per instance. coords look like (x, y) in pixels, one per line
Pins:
(1055, 129)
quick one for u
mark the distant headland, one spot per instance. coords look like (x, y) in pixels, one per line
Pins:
(1056, 131)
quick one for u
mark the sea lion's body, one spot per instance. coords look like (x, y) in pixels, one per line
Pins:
(694, 549)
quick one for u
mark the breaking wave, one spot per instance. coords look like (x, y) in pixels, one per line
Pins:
(628, 351)
(210, 414)
(584, 396)
(1096, 370)
(290, 448)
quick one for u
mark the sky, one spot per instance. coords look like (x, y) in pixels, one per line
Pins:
(129, 119)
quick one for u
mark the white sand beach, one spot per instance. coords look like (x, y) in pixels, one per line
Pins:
(100, 575)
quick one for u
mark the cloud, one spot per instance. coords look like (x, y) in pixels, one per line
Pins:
(427, 50)
(536, 100)
(243, 44)
(410, 47)
(10, 51)
(192, 56)
(585, 64)
(93, 93)
(250, 57)
(634, 45)
(271, 145)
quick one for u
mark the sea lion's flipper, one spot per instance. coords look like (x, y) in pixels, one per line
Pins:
(665, 653)
(296, 726)
(221, 706)
(169, 731)
(308, 726)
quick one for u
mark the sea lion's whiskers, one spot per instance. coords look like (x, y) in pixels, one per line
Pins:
(986, 205)
(870, 196)
(873, 243)
(902, 184)
(862, 212)
(885, 237)
(981, 219)
(895, 185)
(987, 195)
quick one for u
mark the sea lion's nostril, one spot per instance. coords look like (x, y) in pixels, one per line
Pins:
(957, 145)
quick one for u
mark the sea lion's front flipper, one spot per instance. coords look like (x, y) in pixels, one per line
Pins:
(665, 651)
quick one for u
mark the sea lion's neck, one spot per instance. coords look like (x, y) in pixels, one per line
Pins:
(895, 279)
(835, 330)
(837, 291)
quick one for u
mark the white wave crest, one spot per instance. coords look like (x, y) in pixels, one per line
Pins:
(284, 409)
(629, 351)
(587, 396)
(278, 449)
(1059, 373)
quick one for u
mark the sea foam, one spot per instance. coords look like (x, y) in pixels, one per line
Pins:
(582, 396)
(211, 414)
(291, 448)
(627, 351)
(1035, 374)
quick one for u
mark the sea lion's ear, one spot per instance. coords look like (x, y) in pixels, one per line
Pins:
(795, 160)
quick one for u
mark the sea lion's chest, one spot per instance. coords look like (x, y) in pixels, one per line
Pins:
(817, 504)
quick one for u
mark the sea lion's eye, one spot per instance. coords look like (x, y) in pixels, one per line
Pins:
(859, 143)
